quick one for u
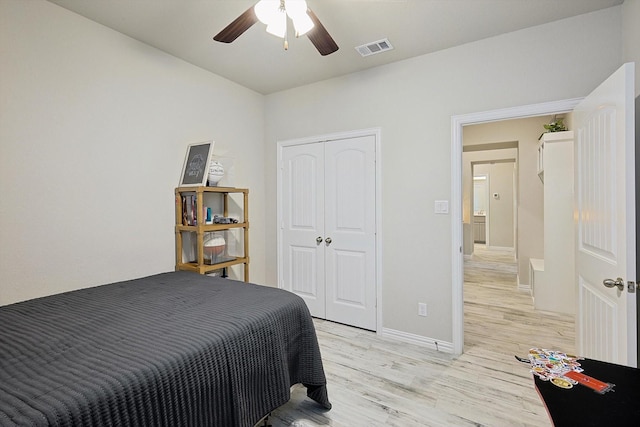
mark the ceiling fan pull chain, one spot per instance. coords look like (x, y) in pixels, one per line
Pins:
(286, 28)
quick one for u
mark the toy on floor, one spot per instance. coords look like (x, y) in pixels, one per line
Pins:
(562, 370)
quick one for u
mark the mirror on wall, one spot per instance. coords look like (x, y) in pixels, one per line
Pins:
(480, 195)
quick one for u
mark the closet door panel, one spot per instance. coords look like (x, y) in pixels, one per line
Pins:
(350, 231)
(303, 223)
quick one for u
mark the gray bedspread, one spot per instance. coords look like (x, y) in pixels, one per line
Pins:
(175, 349)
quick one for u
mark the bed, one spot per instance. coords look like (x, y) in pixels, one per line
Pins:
(174, 349)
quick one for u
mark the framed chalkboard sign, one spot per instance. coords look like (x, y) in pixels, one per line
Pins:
(196, 164)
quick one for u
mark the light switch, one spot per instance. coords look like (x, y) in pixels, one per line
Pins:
(441, 207)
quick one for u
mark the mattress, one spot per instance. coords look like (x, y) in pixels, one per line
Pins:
(174, 349)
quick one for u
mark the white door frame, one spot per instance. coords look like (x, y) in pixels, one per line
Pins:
(376, 133)
(457, 258)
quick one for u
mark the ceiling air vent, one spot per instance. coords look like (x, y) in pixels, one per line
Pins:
(375, 47)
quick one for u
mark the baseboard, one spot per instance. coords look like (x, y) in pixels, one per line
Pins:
(500, 248)
(443, 346)
(523, 287)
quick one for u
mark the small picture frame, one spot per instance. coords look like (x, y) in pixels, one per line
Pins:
(195, 170)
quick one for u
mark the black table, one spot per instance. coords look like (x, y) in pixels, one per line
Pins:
(581, 406)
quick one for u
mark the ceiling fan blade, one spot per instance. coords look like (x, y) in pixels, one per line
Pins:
(234, 30)
(320, 37)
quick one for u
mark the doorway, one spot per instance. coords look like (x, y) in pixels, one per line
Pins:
(493, 199)
(605, 225)
(481, 212)
(458, 123)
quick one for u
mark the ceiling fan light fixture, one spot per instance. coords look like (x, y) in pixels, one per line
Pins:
(278, 26)
(302, 23)
(267, 11)
(273, 13)
(297, 11)
(295, 7)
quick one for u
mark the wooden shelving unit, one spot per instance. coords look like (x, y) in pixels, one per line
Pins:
(201, 229)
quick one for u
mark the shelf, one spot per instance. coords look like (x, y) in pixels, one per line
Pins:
(196, 236)
(207, 228)
(211, 190)
(207, 268)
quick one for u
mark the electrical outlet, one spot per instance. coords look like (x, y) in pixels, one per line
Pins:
(422, 309)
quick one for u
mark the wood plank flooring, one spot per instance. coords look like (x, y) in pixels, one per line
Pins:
(381, 382)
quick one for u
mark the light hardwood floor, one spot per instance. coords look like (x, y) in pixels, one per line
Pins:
(374, 381)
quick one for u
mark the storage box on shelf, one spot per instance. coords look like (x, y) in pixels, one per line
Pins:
(209, 251)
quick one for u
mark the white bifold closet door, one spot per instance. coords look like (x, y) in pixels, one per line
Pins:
(328, 228)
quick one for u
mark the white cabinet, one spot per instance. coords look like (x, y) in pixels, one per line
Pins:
(479, 229)
(554, 290)
(541, 159)
(536, 273)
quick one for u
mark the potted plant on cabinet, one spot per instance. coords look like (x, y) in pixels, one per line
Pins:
(557, 125)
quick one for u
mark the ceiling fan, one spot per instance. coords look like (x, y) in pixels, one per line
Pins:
(274, 13)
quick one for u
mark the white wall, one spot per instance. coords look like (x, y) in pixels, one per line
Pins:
(413, 102)
(631, 36)
(501, 209)
(93, 132)
(471, 158)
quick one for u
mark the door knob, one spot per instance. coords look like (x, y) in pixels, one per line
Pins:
(328, 240)
(318, 240)
(610, 283)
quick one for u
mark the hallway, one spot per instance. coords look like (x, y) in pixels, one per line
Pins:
(500, 317)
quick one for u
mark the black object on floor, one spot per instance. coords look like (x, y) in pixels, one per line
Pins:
(581, 406)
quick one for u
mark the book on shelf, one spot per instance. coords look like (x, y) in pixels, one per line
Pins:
(189, 209)
(190, 212)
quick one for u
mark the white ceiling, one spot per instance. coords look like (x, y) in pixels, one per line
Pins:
(257, 60)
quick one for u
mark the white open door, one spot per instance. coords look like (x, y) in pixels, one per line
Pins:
(605, 214)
